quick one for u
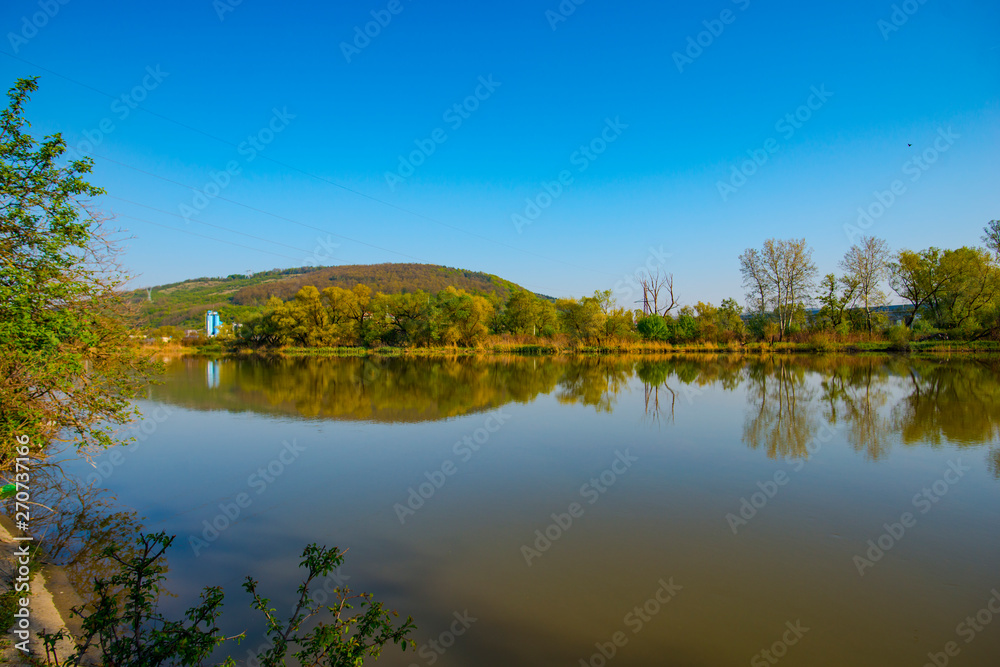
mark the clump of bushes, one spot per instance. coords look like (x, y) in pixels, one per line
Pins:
(899, 338)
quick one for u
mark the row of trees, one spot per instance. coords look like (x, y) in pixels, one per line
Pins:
(951, 290)
(337, 316)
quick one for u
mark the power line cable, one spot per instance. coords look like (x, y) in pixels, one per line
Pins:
(209, 224)
(210, 238)
(311, 175)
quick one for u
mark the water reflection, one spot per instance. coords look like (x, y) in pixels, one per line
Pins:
(212, 368)
(709, 432)
(781, 417)
(876, 400)
(75, 521)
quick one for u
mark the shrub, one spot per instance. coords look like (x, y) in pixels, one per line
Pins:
(653, 327)
(683, 329)
(822, 342)
(126, 627)
(921, 326)
(899, 337)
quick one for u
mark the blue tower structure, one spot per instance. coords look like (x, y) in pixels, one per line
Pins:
(212, 323)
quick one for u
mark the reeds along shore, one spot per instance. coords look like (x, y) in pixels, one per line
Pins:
(561, 345)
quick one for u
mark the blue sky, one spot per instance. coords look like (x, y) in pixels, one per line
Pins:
(587, 112)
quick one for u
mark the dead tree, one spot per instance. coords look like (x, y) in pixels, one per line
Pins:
(652, 284)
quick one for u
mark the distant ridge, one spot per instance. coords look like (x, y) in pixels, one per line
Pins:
(184, 303)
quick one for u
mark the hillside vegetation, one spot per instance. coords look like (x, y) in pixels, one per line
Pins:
(183, 304)
(384, 278)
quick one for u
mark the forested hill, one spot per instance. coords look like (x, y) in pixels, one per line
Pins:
(185, 303)
(385, 278)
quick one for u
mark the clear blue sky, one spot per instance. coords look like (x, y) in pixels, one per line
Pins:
(656, 185)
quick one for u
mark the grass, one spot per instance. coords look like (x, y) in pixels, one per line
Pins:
(816, 344)
(895, 341)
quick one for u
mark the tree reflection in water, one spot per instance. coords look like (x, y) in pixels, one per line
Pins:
(877, 401)
(75, 522)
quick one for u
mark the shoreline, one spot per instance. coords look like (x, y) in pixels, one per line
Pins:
(880, 348)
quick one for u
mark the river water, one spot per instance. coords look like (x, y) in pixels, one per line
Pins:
(627, 511)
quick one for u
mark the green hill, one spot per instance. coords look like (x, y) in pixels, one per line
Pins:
(184, 304)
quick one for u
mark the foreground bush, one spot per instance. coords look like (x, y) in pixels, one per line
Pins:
(126, 629)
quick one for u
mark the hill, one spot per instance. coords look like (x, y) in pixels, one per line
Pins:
(184, 303)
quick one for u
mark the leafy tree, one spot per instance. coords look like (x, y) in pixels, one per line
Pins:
(836, 295)
(67, 364)
(707, 316)
(413, 316)
(866, 266)
(618, 324)
(972, 290)
(311, 326)
(359, 307)
(730, 318)
(336, 301)
(463, 317)
(525, 313)
(918, 277)
(583, 320)
(547, 318)
(262, 328)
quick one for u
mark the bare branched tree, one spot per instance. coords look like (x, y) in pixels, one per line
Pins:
(867, 265)
(991, 236)
(781, 276)
(653, 284)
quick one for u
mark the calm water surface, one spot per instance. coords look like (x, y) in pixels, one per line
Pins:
(836, 511)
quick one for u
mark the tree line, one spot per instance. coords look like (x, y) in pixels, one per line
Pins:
(956, 292)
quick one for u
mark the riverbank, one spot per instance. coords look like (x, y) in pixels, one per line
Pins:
(52, 598)
(921, 348)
